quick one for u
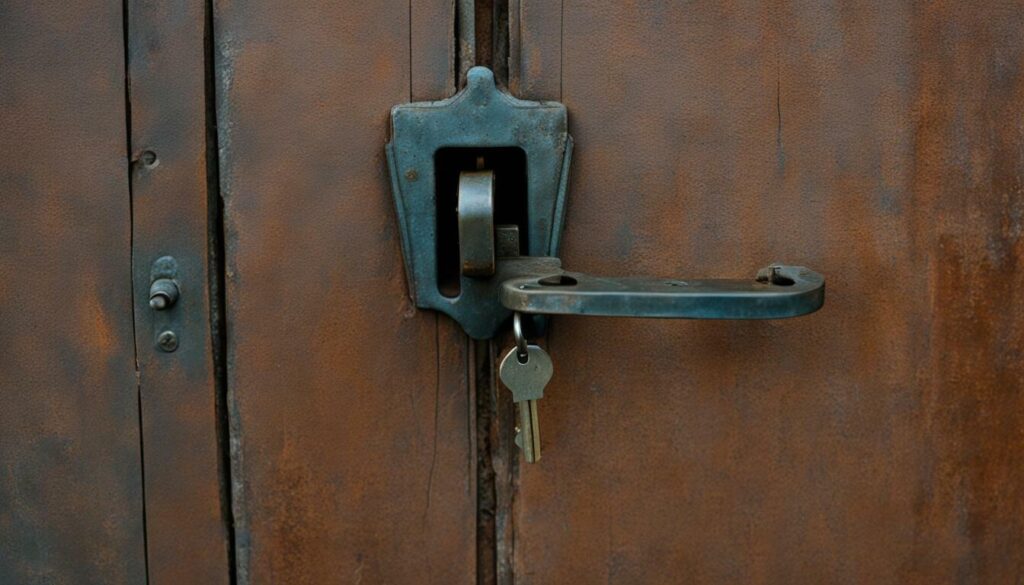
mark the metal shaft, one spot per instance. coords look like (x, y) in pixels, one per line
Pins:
(529, 431)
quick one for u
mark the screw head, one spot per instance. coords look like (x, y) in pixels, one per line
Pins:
(167, 341)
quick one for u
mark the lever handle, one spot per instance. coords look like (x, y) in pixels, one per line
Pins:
(778, 292)
(493, 280)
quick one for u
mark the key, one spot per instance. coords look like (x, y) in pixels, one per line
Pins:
(527, 379)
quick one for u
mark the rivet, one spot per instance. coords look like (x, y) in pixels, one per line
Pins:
(411, 174)
(167, 341)
(148, 158)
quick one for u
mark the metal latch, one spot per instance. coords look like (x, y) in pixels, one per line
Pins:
(505, 267)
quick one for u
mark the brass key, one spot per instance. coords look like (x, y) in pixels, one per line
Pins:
(526, 369)
(526, 376)
(528, 433)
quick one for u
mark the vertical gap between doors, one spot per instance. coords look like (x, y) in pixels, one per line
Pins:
(218, 322)
(482, 38)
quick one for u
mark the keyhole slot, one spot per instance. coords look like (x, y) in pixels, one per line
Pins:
(557, 280)
(773, 277)
(779, 280)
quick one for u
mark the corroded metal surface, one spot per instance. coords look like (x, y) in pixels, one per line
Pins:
(186, 505)
(70, 470)
(877, 441)
(352, 433)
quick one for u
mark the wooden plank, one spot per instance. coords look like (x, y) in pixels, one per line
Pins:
(71, 507)
(351, 427)
(186, 504)
(877, 441)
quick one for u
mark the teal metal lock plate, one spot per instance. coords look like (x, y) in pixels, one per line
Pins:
(497, 273)
(478, 117)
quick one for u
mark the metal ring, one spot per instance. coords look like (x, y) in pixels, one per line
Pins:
(517, 330)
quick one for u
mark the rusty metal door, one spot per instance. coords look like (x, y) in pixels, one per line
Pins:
(878, 440)
(352, 436)
(294, 418)
(71, 507)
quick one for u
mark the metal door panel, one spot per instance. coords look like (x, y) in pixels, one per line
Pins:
(352, 437)
(71, 507)
(877, 441)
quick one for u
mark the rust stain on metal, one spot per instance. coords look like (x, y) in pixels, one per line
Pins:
(71, 508)
(876, 441)
(352, 428)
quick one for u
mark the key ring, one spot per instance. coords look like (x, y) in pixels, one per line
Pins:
(521, 345)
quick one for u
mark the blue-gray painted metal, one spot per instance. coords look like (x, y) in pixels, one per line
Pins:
(479, 116)
(777, 293)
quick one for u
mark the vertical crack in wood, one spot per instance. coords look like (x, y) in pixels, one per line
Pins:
(126, 32)
(486, 497)
(497, 460)
(506, 469)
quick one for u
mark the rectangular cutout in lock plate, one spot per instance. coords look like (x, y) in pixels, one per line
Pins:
(510, 202)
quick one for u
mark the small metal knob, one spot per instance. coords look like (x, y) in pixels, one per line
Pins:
(163, 294)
